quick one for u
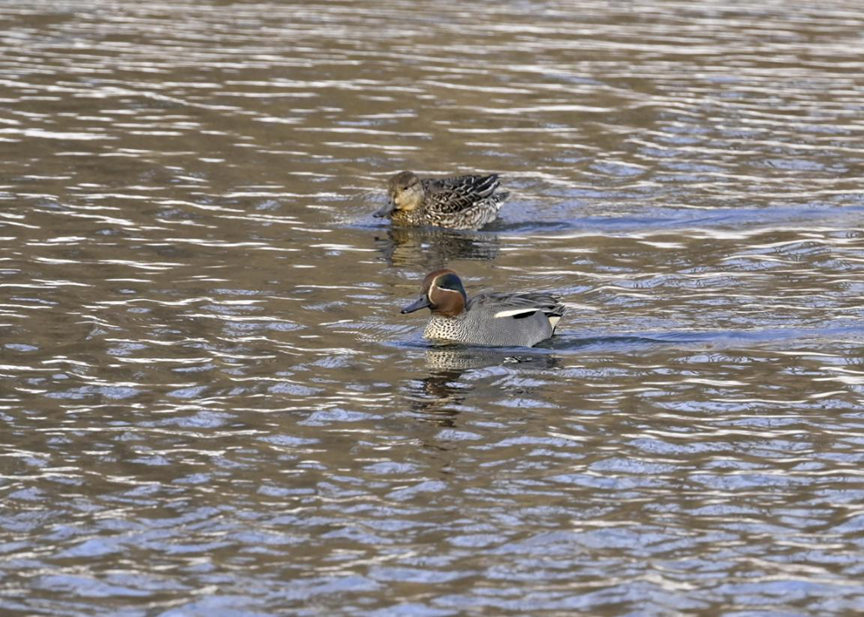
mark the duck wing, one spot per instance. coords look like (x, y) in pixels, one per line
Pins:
(518, 305)
(451, 195)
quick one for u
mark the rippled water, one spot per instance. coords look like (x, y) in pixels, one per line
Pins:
(211, 405)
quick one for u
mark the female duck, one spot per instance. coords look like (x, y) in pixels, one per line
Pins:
(461, 202)
(489, 319)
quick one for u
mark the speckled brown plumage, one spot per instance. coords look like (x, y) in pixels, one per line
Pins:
(460, 202)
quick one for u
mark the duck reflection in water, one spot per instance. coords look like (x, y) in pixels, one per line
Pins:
(443, 394)
(439, 398)
(431, 248)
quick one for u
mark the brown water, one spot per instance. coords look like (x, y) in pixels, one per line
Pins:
(211, 405)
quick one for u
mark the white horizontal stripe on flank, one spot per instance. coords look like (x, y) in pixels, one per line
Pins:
(514, 312)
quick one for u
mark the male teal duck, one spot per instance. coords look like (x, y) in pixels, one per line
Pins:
(488, 319)
(460, 202)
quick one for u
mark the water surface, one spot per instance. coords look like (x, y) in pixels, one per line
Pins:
(211, 405)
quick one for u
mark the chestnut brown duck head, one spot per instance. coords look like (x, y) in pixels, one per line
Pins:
(443, 294)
